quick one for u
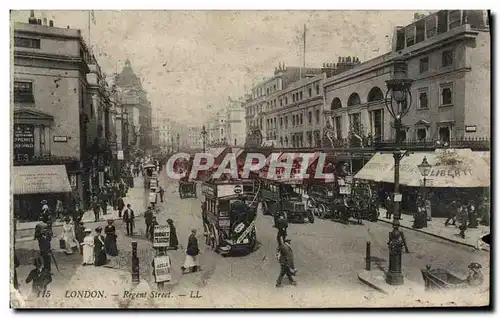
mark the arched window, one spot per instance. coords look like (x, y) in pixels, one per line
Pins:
(375, 94)
(353, 100)
(336, 103)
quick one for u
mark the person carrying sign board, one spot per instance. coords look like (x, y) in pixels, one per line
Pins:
(161, 267)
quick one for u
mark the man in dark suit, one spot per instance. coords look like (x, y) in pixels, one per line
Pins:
(285, 257)
(128, 219)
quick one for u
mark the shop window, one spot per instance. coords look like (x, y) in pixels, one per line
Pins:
(23, 92)
(424, 64)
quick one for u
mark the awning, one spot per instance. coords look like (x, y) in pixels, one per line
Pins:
(40, 179)
(450, 168)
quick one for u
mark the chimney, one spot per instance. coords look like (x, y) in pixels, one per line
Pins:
(51, 23)
(44, 21)
(340, 60)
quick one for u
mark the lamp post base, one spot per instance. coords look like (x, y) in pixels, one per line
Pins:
(394, 279)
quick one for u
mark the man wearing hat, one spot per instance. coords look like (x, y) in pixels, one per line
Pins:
(46, 217)
(148, 218)
(154, 222)
(95, 207)
(40, 276)
(128, 219)
(285, 257)
(173, 242)
(45, 248)
(475, 277)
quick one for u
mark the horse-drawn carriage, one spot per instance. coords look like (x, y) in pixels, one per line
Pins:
(187, 188)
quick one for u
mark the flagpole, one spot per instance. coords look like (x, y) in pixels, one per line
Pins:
(304, 56)
(90, 46)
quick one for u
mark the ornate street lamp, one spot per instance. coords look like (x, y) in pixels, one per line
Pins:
(397, 102)
(424, 168)
(204, 135)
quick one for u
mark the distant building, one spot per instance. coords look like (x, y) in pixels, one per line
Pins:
(134, 100)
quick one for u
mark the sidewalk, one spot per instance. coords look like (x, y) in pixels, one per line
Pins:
(135, 197)
(436, 228)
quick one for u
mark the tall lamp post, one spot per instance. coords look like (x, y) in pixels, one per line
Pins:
(424, 171)
(397, 102)
(204, 136)
(178, 142)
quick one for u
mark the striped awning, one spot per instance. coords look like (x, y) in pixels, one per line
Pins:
(40, 179)
(450, 168)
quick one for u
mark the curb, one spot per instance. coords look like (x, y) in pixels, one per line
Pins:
(432, 234)
(366, 282)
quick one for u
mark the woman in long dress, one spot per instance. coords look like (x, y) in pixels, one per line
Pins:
(99, 251)
(191, 263)
(69, 237)
(110, 240)
(88, 248)
(174, 242)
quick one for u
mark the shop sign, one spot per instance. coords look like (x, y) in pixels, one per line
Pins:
(24, 142)
(119, 155)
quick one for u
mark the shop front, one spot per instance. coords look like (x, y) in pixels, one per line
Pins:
(32, 184)
(453, 174)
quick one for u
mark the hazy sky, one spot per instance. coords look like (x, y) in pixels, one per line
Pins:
(189, 59)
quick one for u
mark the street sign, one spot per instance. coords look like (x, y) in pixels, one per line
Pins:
(161, 236)
(162, 269)
(119, 155)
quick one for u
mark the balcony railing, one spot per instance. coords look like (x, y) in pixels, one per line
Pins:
(474, 143)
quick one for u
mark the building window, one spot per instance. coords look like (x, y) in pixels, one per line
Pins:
(281, 121)
(317, 115)
(310, 117)
(317, 89)
(281, 102)
(309, 91)
(286, 100)
(301, 117)
(310, 138)
(444, 133)
(300, 95)
(447, 58)
(431, 26)
(286, 122)
(454, 19)
(27, 42)
(423, 99)
(355, 122)
(447, 95)
(442, 17)
(293, 98)
(424, 65)
(421, 134)
(23, 92)
(293, 120)
(400, 39)
(410, 35)
(420, 30)
(338, 126)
